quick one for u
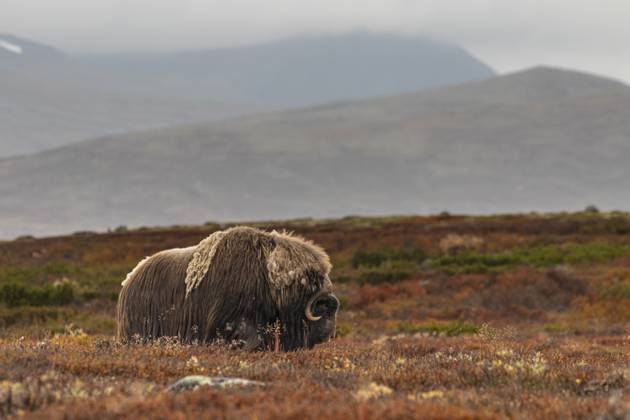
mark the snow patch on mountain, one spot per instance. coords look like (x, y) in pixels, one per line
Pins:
(16, 49)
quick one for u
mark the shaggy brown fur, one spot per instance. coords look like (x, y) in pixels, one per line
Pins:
(236, 284)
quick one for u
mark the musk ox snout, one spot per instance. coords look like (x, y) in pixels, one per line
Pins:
(242, 277)
(321, 311)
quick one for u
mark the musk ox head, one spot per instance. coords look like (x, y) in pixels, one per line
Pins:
(269, 290)
(299, 272)
(321, 313)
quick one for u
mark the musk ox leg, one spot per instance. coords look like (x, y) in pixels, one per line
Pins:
(247, 336)
(243, 335)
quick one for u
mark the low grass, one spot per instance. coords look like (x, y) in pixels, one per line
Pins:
(381, 257)
(385, 265)
(46, 320)
(73, 375)
(33, 285)
(19, 274)
(541, 256)
(384, 275)
(29, 315)
(14, 294)
(450, 329)
(412, 340)
(555, 327)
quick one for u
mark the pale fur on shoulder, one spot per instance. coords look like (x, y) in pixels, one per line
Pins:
(292, 258)
(201, 260)
(141, 264)
(135, 270)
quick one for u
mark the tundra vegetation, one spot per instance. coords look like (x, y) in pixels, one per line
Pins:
(449, 316)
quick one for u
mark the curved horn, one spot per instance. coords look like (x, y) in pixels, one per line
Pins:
(308, 311)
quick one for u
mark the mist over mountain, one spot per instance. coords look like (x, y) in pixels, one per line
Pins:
(50, 98)
(542, 139)
(19, 51)
(305, 71)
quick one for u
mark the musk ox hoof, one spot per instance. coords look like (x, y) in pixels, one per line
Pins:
(193, 382)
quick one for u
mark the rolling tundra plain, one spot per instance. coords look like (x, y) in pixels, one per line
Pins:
(448, 316)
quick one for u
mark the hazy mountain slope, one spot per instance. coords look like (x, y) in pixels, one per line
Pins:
(311, 70)
(49, 98)
(542, 139)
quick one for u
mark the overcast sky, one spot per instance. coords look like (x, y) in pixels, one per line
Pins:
(591, 35)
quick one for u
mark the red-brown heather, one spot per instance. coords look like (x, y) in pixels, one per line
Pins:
(522, 316)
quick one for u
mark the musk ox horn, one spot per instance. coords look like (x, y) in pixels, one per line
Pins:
(309, 311)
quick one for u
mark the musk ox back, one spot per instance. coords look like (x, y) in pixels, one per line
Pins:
(262, 289)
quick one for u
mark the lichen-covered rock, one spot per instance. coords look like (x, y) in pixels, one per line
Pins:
(195, 381)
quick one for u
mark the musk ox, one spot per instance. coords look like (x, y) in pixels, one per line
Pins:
(265, 290)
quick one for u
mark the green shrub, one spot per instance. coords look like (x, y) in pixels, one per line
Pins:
(50, 319)
(617, 291)
(385, 265)
(595, 252)
(14, 294)
(98, 281)
(474, 262)
(59, 269)
(378, 258)
(554, 328)
(380, 275)
(343, 278)
(618, 224)
(342, 330)
(17, 275)
(591, 208)
(29, 315)
(542, 256)
(368, 259)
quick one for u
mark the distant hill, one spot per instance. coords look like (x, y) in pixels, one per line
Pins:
(304, 71)
(50, 98)
(542, 139)
(14, 50)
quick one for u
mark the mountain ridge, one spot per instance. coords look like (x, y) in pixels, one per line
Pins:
(51, 98)
(463, 149)
(612, 86)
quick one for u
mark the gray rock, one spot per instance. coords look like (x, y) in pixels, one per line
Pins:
(193, 382)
